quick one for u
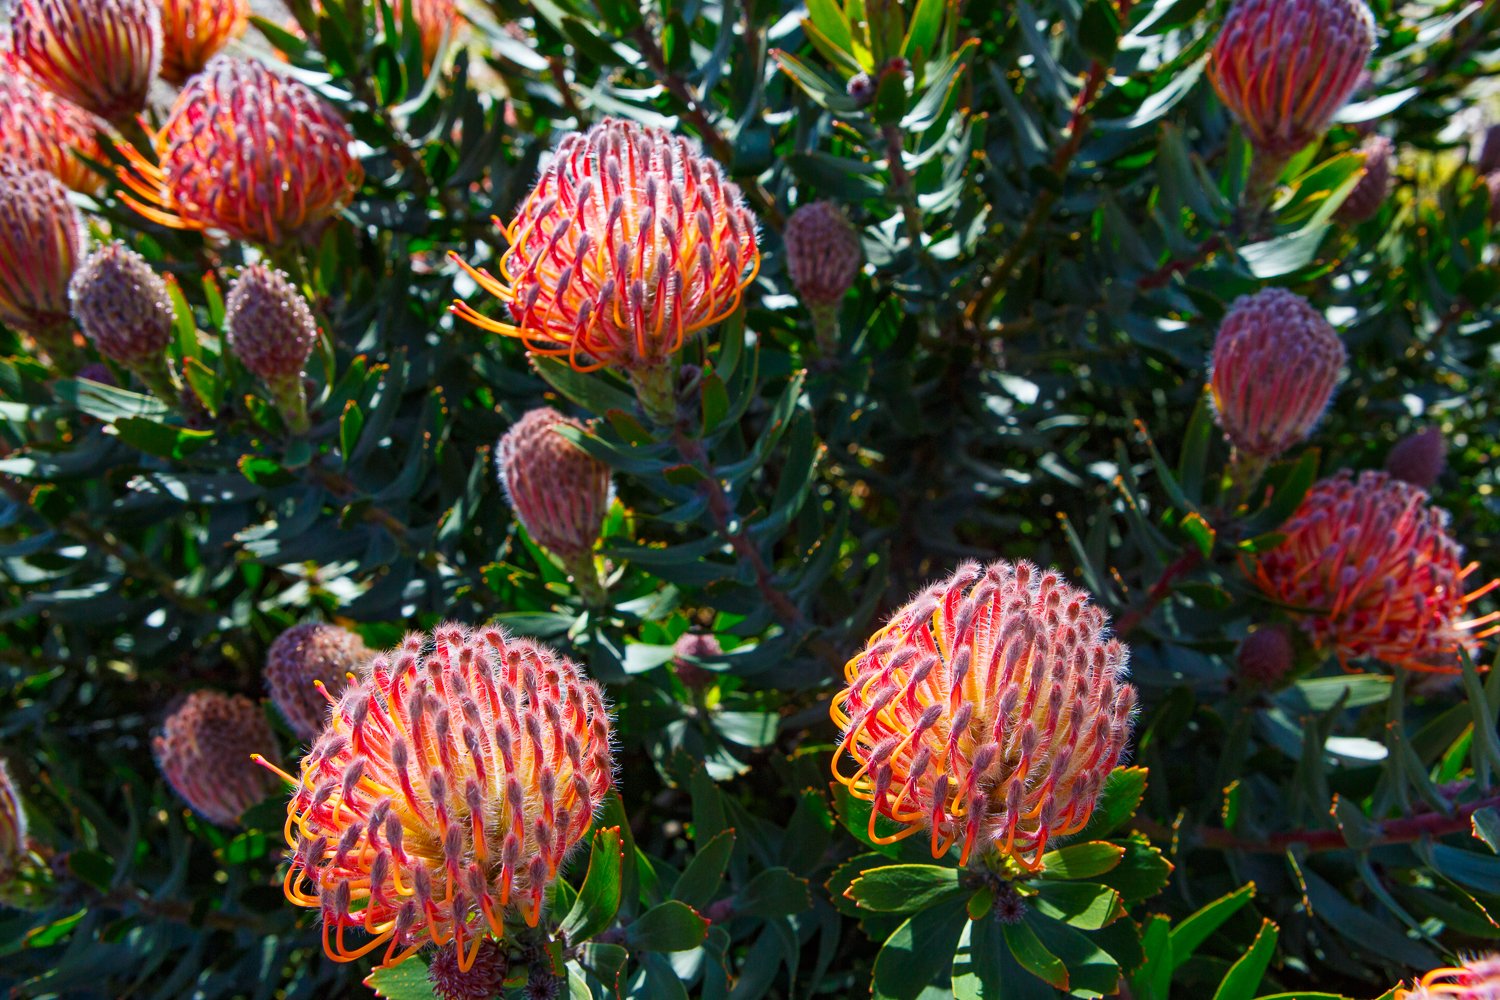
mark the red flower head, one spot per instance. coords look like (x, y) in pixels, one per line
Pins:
(559, 491)
(1371, 563)
(205, 752)
(193, 31)
(1371, 191)
(1276, 362)
(100, 54)
(305, 666)
(1284, 68)
(258, 156)
(12, 824)
(41, 242)
(822, 253)
(989, 711)
(40, 130)
(631, 241)
(453, 777)
(434, 18)
(1478, 978)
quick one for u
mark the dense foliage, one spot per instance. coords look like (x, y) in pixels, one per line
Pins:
(259, 410)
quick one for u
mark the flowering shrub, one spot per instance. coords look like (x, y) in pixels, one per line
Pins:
(633, 499)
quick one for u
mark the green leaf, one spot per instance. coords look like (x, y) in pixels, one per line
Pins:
(1486, 826)
(407, 981)
(832, 24)
(163, 440)
(905, 888)
(922, 33)
(94, 867)
(1034, 957)
(1123, 791)
(700, 880)
(669, 926)
(1197, 928)
(1081, 860)
(1244, 977)
(775, 892)
(1141, 873)
(1083, 905)
(351, 423)
(1099, 30)
(599, 897)
(920, 950)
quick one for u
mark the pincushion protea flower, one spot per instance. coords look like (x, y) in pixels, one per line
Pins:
(434, 19)
(1371, 564)
(41, 241)
(272, 331)
(631, 241)
(100, 54)
(205, 752)
(823, 257)
(989, 712)
(1284, 68)
(304, 666)
(1477, 978)
(244, 151)
(558, 491)
(1371, 191)
(1276, 362)
(193, 31)
(12, 824)
(124, 310)
(453, 777)
(40, 130)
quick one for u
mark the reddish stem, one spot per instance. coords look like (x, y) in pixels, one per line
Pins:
(1164, 274)
(1185, 563)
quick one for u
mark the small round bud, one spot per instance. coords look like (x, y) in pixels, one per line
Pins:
(1266, 655)
(41, 242)
(823, 254)
(100, 54)
(1373, 188)
(122, 306)
(271, 329)
(860, 88)
(690, 648)
(483, 980)
(96, 371)
(305, 654)
(558, 491)
(1419, 458)
(204, 751)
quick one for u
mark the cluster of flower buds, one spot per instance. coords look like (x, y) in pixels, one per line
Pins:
(454, 776)
(246, 152)
(41, 242)
(631, 241)
(12, 825)
(308, 665)
(1284, 68)
(272, 331)
(100, 54)
(823, 257)
(41, 130)
(1374, 186)
(193, 31)
(1369, 561)
(1478, 978)
(124, 310)
(1419, 458)
(559, 492)
(1266, 657)
(1276, 362)
(205, 751)
(989, 712)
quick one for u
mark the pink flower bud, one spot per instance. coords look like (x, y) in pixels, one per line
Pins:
(1419, 458)
(1373, 188)
(690, 648)
(12, 825)
(270, 327)
(1026, 709)
(823, 254)
(302, 657)
(1276, 362)
(193, 31)
(296, 172)
(1476, 978)
(40, 130)
(484, 979)
(453, 778)
(41, 242)
(1284, 68)
(1489, 151)
(558, 491)
(1266, 655)
(204, 751)
(1371, 562)
(100, 54)
(122, 306)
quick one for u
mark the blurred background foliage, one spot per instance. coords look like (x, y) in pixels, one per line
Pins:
(1045, 194)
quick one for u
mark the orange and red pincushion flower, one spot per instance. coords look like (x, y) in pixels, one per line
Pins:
(1370, 562)
(988, 712)
(1477, 978)
(247, 152)
(452, 779)
(193, 31)
(631, 241)
(100, 54)
(434, 18)
(40, 130)
(1284, 68)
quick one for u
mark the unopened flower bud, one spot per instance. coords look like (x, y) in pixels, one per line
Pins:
(1373, 188)
(1266, 655)
(822, 253)
(483, 980)
(688, 650)
(123, 308)
(1488, 161)
(41, 243)
(100, 54)
(205, 751)
(272, 331)
(302, 657)
(1419, 458)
